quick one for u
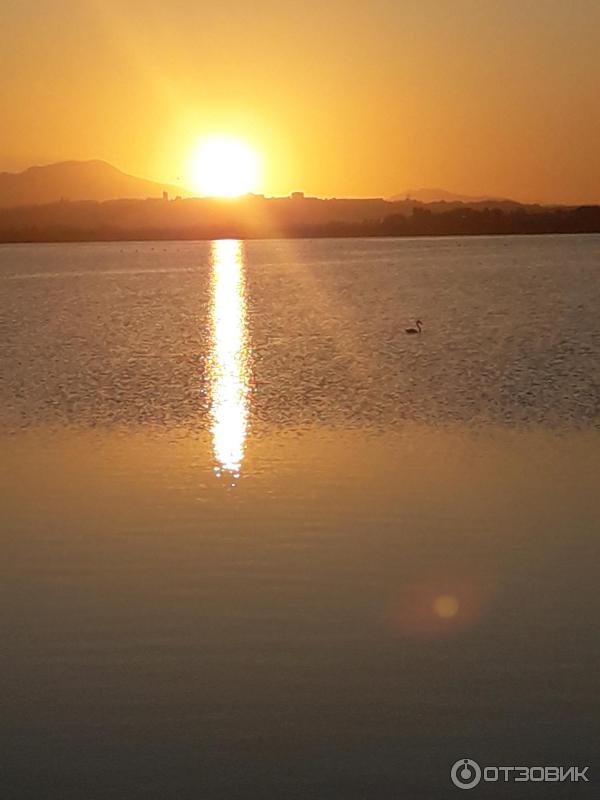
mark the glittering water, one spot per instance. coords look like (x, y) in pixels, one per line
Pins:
(260, 543)
(229, 357)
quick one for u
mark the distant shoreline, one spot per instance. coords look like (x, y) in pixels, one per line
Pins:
(282, 237)
(294, 217)
(259, 218)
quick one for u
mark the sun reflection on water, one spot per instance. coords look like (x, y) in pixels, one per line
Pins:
(229, 358)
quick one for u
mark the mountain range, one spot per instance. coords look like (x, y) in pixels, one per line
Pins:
(76, 180)
(99, 181)
(443, 196)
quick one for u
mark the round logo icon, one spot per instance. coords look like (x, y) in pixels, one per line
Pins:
(465, 773)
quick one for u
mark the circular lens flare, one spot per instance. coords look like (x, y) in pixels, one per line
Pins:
(446, 606)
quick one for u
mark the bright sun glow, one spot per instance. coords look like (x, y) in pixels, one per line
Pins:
(223, 166)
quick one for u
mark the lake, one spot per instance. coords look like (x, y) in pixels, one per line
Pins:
(258, 542)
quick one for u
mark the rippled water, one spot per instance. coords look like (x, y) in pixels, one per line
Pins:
(260, 543)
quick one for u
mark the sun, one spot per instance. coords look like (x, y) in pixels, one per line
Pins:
(224, 166)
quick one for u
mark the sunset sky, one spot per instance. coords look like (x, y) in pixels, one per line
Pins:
(345, 97)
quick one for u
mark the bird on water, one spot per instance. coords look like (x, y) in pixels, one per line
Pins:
(419, 325)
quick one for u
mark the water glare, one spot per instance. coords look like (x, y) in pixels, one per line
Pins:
(229, 357)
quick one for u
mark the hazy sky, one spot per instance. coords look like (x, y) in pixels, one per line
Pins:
(342, 97)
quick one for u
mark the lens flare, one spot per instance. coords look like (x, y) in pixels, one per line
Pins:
(446, 606)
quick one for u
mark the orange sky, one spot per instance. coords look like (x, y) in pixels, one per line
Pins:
(344, 97)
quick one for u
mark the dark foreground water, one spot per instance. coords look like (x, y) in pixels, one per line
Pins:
(259, 543)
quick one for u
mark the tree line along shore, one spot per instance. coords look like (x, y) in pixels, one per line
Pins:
(252, 217)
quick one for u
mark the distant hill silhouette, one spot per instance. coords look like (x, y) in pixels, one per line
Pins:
(443, 196)
(75, 180)
(91, 200)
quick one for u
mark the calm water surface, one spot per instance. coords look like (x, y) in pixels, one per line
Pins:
(257, 542)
